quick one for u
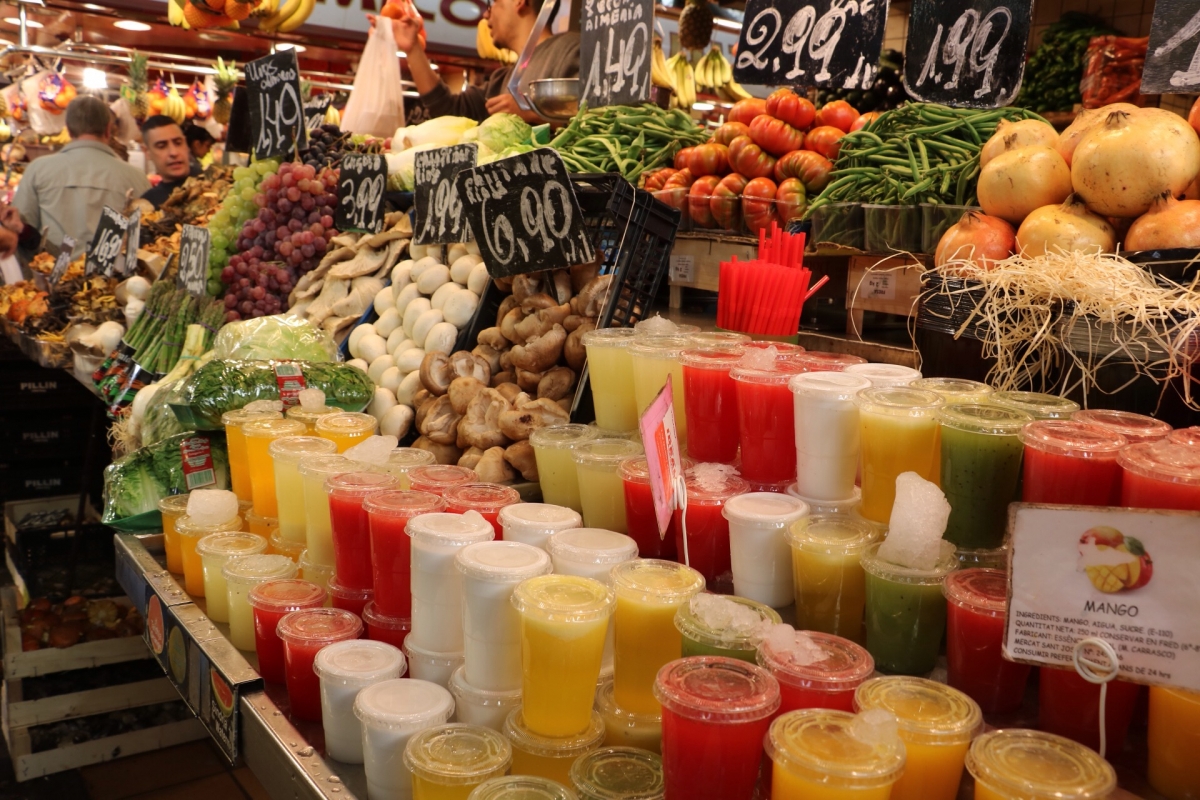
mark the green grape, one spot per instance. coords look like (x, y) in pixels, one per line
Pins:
(248, 194)
(242, 172)
(219, 241)
(215, 288)
(264, 167)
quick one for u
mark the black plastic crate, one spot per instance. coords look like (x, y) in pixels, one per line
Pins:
(54, 433)
(34, 388)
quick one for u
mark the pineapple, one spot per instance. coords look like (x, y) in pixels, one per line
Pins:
(226, 80)
(135, 92)
(695, 25)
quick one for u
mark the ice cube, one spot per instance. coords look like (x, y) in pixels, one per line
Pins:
(311, 399)
(793, 646)
(720, 614)
(212, 506)
(712, 477)
(759, 358)
(919, 517)
(655, 325)
(372, 450)
(264, 405)
(876, 726)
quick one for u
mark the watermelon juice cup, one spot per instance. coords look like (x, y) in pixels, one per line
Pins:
(351, 526)
(975, 618)
(437, 478)
(706, 530)
(906, 611)
(271, 601)
(710, 400)
(487, 499)
(353, 600)
(388, 515)
(1069, 706)
(766, 422)
(1160, 475)
(1036, 765)
(641, 521)
(899, 434)
(382, 628)
(1136, 428)
(304, 634)
(816, 755)
(1067, 462)
(817, 670)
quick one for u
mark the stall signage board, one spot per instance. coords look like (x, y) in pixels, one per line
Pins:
(1173, 55)
(524, 214)
(439, 211)
(361, 184)
(614, 52)
(194, 244)
(966, 53)
(105, 251)
(1123, 575)
(277, 124)
(825, 43)
(314, 111)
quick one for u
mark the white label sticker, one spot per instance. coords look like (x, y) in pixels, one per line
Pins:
(683, 268)
(879, 286)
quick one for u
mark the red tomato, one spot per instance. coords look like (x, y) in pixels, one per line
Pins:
(726, 201)
(758, 204)
(791, 199)
(730, 131)
(809, 166)
(865, 119)
(749, 159)
(656, 179)
(680, 180)
(675, 191)
(839, 114)
(682, 158)
(826, 140)
(775, 136)
(709, 159)
(788, 106)
(744, 111)
(698, 199)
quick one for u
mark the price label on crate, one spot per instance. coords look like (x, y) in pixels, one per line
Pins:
(62, 262)
(105, 250)
(361, 184)
(966, 52)
(614, 52)
(524, 214)
(314, 111)
(1173, 55)
(194, 244)
(826, 43)
(439, 210)
(277, 121)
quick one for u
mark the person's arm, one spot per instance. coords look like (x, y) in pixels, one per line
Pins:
(26, 202)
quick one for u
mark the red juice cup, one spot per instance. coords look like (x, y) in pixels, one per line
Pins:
(304, 633)
(715, 713)
(818, 670)
(767, 422)
(1069, 706)
(1160, 475)
(388, 514)
(1188, 436)
(707, 531)
(347, 598)
(393, 630)
(1070, 463)
(437, 478)
(486, 498)
(819, 361)
(641, 522)
(782, 348)
(272, 601)
(710, 401)
(975, 618)
(1135, 428)
(351, 526)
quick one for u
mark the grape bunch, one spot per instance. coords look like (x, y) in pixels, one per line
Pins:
(325, 146)
(237, 207)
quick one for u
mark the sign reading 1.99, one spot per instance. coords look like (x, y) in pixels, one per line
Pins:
(276, 111)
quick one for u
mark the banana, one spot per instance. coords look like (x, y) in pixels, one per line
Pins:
(685, 84)
(299, 17)
(703, 70)
(332, 116)
(174, 14)
(660, 74)
(725, 69)
(735, 89)
(276, 19)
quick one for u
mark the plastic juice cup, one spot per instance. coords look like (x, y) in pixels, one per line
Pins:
(535, 523)
(390, 713)
(649, 593)
(906, 611)
(590, 552)
(899, 434)
(717, 339)
(884, 375)
(563, 623)
(816, 756)
(820, 361)
(601, 492)
(828, 574)
(403, 459)
(214, 550)
(1070, 463)
(447, 762)
(954, 390)
(259, 434)
(521, 787)
(981, 471)
(353, 600)
(627, 728)
(382, 628)
(716, 712)
(976, 606)
(1189, 436)
(720, 634)
(546, 756)
(767, 422)
(706, 529)
(427, 665)
(289, 487)
(841, 507)
(1069, 706)
(710, 400)
(344, 669)
(1038, 766)
(782, 348)
(437, 478)
(437, 587)
(388, 515)
(310, 416)
(641, 521)
(262, 526)
(553, 448)
(654, 358)
(1035, 404)
(189, 537)
(304, 634)
(1136, 428)
(235, 444)
(479, 707)
(346, 428)
(827, 433)
(759, 552)
(491, 627)
(270, 602)
(618, 773)
(611, 370)
(241, 575)
(820, 671)
(1160, 475)
(350, 524)
(1173, 739)
(486, 498)
(278, 545)
(313, 573)
(172, 508)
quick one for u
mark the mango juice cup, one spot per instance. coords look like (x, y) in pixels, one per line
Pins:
(310, 416)
(189, 536)
(816, 756)
(611, 369)
(827, 572)
(345, 429)
(618, 773)
(172, 508)
(259, 436)
(447, 762)
(553, 448)
(286, 454)
(627, 728)
(1174, 740)
(899, 434)
(235, 444)
(1037, 766)
(545, 756)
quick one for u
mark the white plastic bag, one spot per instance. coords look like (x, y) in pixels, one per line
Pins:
(376, 104)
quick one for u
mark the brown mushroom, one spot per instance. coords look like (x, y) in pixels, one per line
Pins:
(523, 460)
(462, 390)
(574, 353)
(562, 286)
(441, 422)
(506, 364)
(436, 372)
(536, 302)
(503, 284)
(540, 322)
(582, 274)
(444, 453)
(529, 415)
(572, 322)
(541, 353)
(556, 383)
(590, 300)
(510, 390)
(470, 458)
(508, 325)
(526, 285)
(492, 468)
(566, 403)
(494, 339)
(528, 381)
(422, 400)
(469, 365)
(505, 378)
(506, 305)
(480, 425)
(489, 354)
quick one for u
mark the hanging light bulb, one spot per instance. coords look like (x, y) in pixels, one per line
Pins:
(95, 79)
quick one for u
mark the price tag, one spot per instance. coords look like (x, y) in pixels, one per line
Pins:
(276, 113)
(662, 457)
(523, 213)
(290, 380)
(966, 52)
(62, 262)
(439, 211)
(105, 250)
(683, 268)
(614, 50)
(1173, 55)
(314, 111)
(825, 43)
(194, 245)
(360, 193)
(196, 458)
(879, 286)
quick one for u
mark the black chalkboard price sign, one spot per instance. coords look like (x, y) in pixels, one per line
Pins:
(277, 122)
(314, 111)
(104, 254)
(826, 43)
(360, 193)
(614, 52)
(966, 52)
(194, 244)
(1173, 57)
(61, 262)
(523, 213)
(439, 211)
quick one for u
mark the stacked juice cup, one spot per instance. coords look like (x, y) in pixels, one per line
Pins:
(618, 772)
(271, 601)
(882, 375)
(702, 532)
(347, 597)
(344, 669)
(1185, 436)
(388, 515)
(286, 454)
(479, 706)
(714, 625)
(390, 713)
(899, 434)
(350, 524)
(627, 728)
(710, 400)
(906, 611)
(654, 358)
(815, 670)
(1160, 475)
(601, 492)
(404, 459)
(951, 391)
(976, 600)
(611, 369)
(820, 361)
(189, 535)
(305, 633)
(241, 575)
(819, 754)
(550, 757)
(214, 551)
(437, 478)
(1023, 763)
(172, 508)
(521, 787)
(309, 416)
(259, 435)
(345, 429)
(382, 628)
(1136, 428)
(828, 574)
(827, 434)
(260, 525)
(235, 444)
(766, 419)
(1035, 404)
(1069, 706)
(553, 448)
(641, 521)
(1174, 771)
(535, 523)
(1070, 463)
(313, 572)
(447, 762)
(488, 499)
(759, 554)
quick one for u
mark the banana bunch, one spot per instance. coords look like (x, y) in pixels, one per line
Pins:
(174, 107)
(264, 8)
(486, 47)
(175, 15)
(332, 117)
(713, 70)
(289, 16)
(62, 137)
(683, 80)
(733, 91)
(660, 74)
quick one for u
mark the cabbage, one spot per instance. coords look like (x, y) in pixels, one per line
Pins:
(277, 336)
(407, 165)
(500, 131)
(439, 132)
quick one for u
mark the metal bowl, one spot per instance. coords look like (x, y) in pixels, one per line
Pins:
(555, 98)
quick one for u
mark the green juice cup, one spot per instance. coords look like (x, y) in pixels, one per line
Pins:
(981, 471)
(906, 611)
(723, 625)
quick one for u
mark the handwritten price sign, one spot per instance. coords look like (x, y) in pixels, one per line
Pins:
(276, 111)
(360, 193)
(615, 50)
(439, 209)
(107, 241)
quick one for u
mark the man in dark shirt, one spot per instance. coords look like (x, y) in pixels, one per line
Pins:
(168, 150)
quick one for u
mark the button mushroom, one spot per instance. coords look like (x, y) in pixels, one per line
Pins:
(480, 425)
(522, 458)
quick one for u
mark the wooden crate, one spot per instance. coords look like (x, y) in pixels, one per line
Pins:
(887, 285)
(696, 260)
(29, 765)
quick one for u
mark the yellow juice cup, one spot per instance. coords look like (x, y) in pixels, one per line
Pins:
(829, 579)
(318, 530)
(563, 622)
(289, 487)
(259, 435)
(235, 445)
(189, 536)
(627, 728)
(899, 434)
(402, 459)
(522, 787)
(310, 416)
(262, 526)
(1031, 765)
(951, 390)
(553, 448)
(1174, 740)
(937, 724)
(548, 757)
(815, 755)
(241, 575)
(645, 639)
(215, 550)
(618, 773)
(654, 358)
(447, 762)
(346, 428)
(172, 508)
(315, 573)
(601, 490)
(611, 377)
(280, 546)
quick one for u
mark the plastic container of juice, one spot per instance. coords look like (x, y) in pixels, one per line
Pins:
(350, 524)
(382, 628)
(618, 773)
(954, 390)
(437, 478)
(611, 369)
(815, 755)
(716, 339)
(235, 444)
(289, 488)
(842, 507)
(1069, 706)
(1036, 765)
(346, 429)
(189, 536)
(830, 582)
(816, 670)
(640, 520)
(827, 433)
(1160, 475)
(172, 508)
(820, 361)
(280, 546)
(241, 575)
(1070, 463)
(1173, 738)
(403, 459)
(259, 434)
(649, 592)
(265, 527)
(759, 552)
(427, 665)
(767, 422)
(937, 724)
(546, 756)
(553, 447)
(564, 619)
(304, 634)
(1035, 404)
(884, 375)
(270, 602)
(601, 491)
(437, 587)
(388, 515)
(1136, 428)
(906, 611)
(448, 761)
(313, 573)
(1189, 436)
(627, 728)
(344, 669)
(214, 551)
(981, 471)
(716, 712)
(491, 627)
(317, 525)
(976, 602)
(710, 401)
(707, 531)
(654, 358)
(535, 523)
(309, 416)
(486, 498)
(390, 713)
(479, 707)
(348, 598)
(521, 787)
(899, 434)
(715, 625)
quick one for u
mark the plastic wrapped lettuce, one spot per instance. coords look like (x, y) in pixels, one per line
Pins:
(134, 484)
(279, 336)
(500, 132)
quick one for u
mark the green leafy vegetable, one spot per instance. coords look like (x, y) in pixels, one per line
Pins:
(135, 483)
(500, 132)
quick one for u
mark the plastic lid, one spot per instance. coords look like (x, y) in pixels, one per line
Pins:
(947, 563)
(359, 484)
(828, 385)
(374, 619)
(521, 787)
(345, 422)
(609, 337)
(539, 517)
(342, 592)
(928, 712)
(326, 465)
(275, 428)
(657, 581)
(435, 477)
(502, 562)
(720, 359)
(481, 497)
(838, 534)
(780, 373)
(1036, 765)
(319, 625)
(174, 505)
(819, 660)
(709, 619)
(457, 754)
(819, 743)
(563, 598)
(431, 657)
(1072, 438)
(1160, 461)
(231, 545)
(258, 520)
(480, 697)
(291, 449)
(571, 747)
(764, 509)
(455, 530)
(619, 773)
(662, 346)
(606, 704)
(1036, 404)
(821, 361)
(307, 566)
(983, 419)
(710, 488)
(592, 546)
(402, 703)
(982, 558)
(716, 690)
(954, 390)
(881, 375)
(1189, 436)
(637, 469)
(606, 452)
(783, 348)
(405, 458)
(240, 416)
(899, 401)
(719, 339)
(562, 437)
(403, 504)
(359, 662)
(286, 594)
(310, 415)
(1134, 427)
(981, 590)
(816, 506)
(281, 545)
(184, 527)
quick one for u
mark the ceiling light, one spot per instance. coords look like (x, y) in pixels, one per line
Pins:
(282, 46)
(702, 106)
(209, 36)
(94, 78)
(32, 23)
(400, 54)
(131, 25)
(94, 7)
